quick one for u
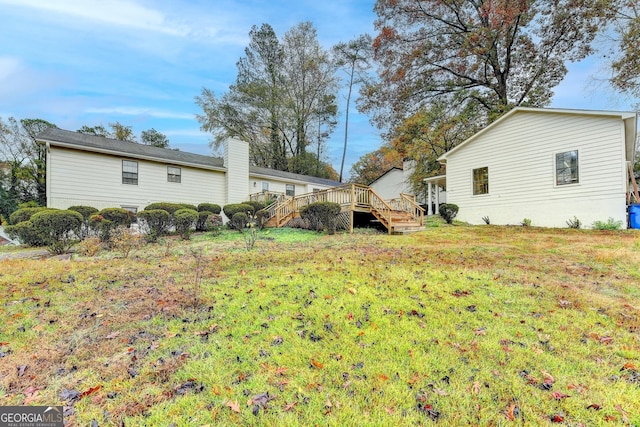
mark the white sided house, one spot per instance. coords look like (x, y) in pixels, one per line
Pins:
(101, 172)
(546, 165)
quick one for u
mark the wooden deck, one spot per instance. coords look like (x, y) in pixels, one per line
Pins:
(398, 216)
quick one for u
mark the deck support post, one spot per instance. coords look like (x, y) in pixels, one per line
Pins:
(351, 214)
(429, 197)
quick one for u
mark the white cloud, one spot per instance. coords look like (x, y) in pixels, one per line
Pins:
(122, 13)
(141, 111)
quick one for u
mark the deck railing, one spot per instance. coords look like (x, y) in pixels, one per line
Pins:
(349, 197)
(407, 203)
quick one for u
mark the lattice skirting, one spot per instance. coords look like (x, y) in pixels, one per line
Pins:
(342, 223)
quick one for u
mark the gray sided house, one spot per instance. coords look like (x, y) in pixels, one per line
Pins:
(96, 171)
(547, 165)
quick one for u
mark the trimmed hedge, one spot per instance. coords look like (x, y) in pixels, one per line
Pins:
(233, 208)
(58, 229)
(322, 215)
(256, 205)
(24, 214)
(158, 222)
(109, 219)
(185, 220)
(201, 223)
(239, 221)
(86, 212)
(170, 207)
(25, 233)
(209, 207)
(448, 211)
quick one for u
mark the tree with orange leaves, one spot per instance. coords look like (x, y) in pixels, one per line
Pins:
(494, 54)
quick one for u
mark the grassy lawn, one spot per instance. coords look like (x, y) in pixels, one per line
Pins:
(452, 326)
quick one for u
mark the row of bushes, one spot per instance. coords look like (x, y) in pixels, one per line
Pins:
(59, 229)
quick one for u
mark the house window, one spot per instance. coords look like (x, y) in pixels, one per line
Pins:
(481, 181)
(174, 174)
(567, 167)
(129, 172)
(265, 186)
(291, 190)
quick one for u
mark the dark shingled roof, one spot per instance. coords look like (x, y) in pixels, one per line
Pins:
(80, 141)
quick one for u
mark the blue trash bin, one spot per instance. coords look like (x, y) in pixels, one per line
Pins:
(634, 216)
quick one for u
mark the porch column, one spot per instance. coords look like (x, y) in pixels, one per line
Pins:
(437, 199)
(429, 195)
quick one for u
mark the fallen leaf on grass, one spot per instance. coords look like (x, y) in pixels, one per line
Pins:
(89, 391)
(31, 395)
(559, 396)
(317, 364)
(290, 406)
(513, 412)
(556, 418)
(594, 406)
(112, 335)
(475, 388)
(21, 370)
(234, 406)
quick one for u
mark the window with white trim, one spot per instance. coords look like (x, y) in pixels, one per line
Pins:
(290, 190)
(567, 168)
(130, 172)
(174, 174)
(265, 186)
(481, 181)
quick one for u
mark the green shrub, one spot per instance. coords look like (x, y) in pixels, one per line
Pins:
(526, 222)
(24, 214)
(25, 233)
(234, 208)
(109, 219)
(118, 216)
(29, 204)
(256, 205)
(170, 207)
(262, 217)
(448, 212)
(101, 227)
(185, 220)
(209, 207)
(201, 223)
(239, 221)
(322, 215)
(58, 229)
(214, 224)
(86, 212)
(610, 224)
(156, 222)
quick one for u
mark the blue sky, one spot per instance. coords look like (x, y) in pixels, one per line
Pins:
(142, 62)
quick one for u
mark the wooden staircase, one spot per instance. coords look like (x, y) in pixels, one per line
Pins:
(398, 216)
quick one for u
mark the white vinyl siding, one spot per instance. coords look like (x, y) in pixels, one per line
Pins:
(279, 185)
(83, 178)
(520, 155)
